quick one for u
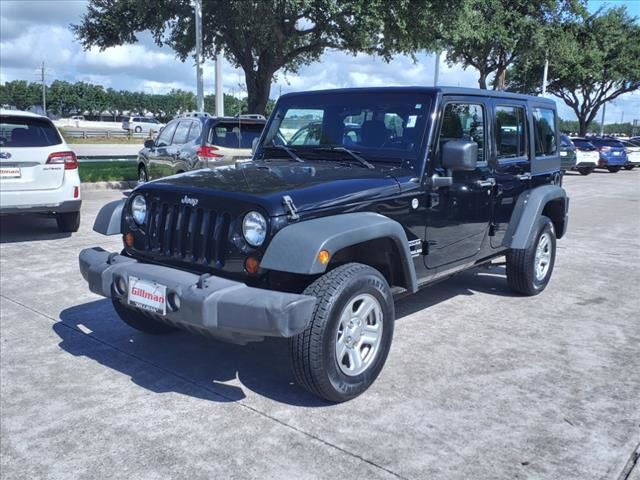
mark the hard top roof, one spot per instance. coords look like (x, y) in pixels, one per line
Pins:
(20, 113)
(430, 90)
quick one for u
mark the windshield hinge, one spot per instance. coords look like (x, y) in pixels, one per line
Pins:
(291, 207)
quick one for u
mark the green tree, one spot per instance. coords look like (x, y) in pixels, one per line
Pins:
(20, 94)
(490, 35)
(592, 60)
(261, 37)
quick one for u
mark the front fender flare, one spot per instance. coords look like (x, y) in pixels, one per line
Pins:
(528, 209)
(295, 248)
(109, 219)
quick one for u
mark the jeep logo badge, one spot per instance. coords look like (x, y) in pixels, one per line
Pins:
(189, 201)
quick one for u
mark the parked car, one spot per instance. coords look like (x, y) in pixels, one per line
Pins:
(613, 156)
(587, 155)
(193, 142)
(142, 124)
(567, 153)
(633, 153)
(311, 242)
(38, 170)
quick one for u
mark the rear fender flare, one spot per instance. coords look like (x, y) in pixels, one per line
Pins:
(529, 207)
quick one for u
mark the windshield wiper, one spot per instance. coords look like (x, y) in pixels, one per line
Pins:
(353, 154)
(290, 152)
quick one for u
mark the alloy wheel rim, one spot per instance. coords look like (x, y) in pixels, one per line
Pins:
(543, 256)
(359, 334)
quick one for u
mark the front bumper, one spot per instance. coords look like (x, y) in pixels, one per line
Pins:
(214, 305)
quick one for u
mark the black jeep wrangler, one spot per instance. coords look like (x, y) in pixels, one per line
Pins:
(353, 196)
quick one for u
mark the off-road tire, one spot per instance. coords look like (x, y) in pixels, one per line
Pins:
(313, 356)
(585, 171)
(139, 320)
(521, 276)
(615, 169)
(68, 222)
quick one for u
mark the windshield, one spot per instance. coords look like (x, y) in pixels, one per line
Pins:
(379, 127)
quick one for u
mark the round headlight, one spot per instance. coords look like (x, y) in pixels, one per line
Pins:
(139, 209)
(254, 228)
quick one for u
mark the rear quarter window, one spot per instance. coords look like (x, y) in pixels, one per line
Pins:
(27, 132)
(544, 123)
(234, 135)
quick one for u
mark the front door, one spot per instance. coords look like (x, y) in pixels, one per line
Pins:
(161, 158)
(459, 215)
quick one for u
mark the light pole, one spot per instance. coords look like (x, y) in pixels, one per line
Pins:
(545, 73)
(197, 5)
(219, 94)
(436, 68)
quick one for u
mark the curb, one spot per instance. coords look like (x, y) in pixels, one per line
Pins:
(124, 185)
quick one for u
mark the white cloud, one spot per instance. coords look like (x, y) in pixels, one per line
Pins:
(38, 30)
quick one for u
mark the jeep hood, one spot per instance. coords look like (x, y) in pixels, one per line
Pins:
(311, 185)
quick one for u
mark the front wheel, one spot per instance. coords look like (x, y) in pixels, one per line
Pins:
(629, 167)
(615, 169)
(346, 343)
(68, 222)
(143, 176)
(137, 129)
(529, 269)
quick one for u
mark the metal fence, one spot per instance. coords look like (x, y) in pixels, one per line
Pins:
(75, 133)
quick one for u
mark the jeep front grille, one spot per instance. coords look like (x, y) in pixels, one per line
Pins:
(182, 232)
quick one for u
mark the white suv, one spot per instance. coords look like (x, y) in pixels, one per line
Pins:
(38, 170)
(142, 124)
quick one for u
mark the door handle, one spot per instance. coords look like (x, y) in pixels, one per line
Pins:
(524, 176)
(489, 182)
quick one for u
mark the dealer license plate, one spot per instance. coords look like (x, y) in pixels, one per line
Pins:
(146, 295)
(10, 172)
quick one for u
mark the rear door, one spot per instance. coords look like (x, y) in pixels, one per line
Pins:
(25, 146)
(510, 162)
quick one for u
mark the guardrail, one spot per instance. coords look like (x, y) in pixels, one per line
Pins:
(104, 134)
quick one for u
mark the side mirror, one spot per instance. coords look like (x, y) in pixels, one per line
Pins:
(254, 144)
(460, 155)
(149, 143)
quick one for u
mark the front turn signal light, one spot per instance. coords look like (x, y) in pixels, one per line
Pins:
(323, 257)
(128, 239)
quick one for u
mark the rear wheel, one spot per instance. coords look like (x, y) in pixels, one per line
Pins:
(629, 167)
(529, 269)
(140, 320)
(614, 169)
(143, 175)
(346, 344)
(137, 129)
(585, 171)
(68, 222)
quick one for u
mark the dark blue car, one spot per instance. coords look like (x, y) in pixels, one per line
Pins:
(613, 155)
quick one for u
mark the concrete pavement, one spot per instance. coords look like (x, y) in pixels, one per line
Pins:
(479, 383)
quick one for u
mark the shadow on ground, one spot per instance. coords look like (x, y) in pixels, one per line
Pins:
(94, 330)
(27, 228)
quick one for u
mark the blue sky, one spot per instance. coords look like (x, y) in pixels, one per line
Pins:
(33, 31)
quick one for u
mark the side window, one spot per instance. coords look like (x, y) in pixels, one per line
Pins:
(165, 136)
(194, 131)
(511, 132)
(182, 130)
(464, 121)
(544, 127)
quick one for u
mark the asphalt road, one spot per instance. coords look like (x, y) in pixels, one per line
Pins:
(479, 383)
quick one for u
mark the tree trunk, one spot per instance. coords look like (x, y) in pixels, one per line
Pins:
(258, 89)
(482, 81)
(584, 126)
(500, 79)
